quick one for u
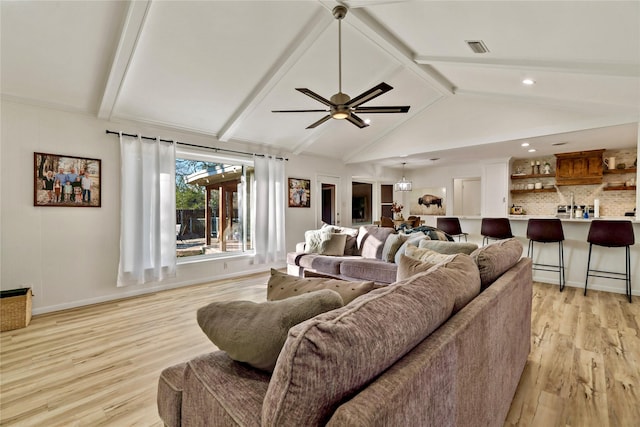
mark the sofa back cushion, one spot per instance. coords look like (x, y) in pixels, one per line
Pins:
(330, 357)
(371, 240)
(496, 258)
(446, 247)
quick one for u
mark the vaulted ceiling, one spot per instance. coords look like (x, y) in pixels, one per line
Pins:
(220, 67)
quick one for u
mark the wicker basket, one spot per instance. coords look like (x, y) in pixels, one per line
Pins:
(15, 308)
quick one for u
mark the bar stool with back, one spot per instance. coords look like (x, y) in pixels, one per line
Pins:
(611, 234)
(547, 231)
(451, 226)
(495, 228)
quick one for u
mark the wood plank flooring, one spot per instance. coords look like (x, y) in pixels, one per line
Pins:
(99, 365)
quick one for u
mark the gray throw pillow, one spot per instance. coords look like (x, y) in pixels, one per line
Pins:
(413, 239)
(282, 285)
(254, 333)
(391, 246)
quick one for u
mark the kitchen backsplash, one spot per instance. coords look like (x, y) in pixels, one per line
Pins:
(612, 203)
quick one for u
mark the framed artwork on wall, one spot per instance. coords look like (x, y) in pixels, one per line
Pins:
(299, 193)
(69, 181)
(428, 201)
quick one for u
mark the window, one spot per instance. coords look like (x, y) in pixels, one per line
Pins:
(212, 204)
(361, 203)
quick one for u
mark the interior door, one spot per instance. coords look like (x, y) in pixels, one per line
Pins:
(467, 197)
(494, 190)
(328, 188)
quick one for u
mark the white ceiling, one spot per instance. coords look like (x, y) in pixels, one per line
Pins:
(220, 67)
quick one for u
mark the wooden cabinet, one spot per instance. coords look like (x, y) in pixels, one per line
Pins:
(579, 168)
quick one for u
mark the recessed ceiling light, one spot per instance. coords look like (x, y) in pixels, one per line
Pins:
(531, 150)
(525, 144)
(528, 82)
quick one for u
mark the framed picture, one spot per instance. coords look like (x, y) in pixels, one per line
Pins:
(428, 201)
(299, 193)
(69, 181)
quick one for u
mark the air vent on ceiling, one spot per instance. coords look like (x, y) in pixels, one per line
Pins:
(477, 46)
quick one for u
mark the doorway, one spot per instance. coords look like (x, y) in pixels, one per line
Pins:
(329, 206)
(466, 196)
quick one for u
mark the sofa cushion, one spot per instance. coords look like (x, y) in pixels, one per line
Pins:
(371, 240)
(413, 239)
(409, 266)
(282, 285)
(391, 246)
(446, 247)
(327, 359)
(369, 269)
(496, 258)
(255, 332)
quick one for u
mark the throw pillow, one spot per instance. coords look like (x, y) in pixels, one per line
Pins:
(446, 247)
(371, 240)
(413, 239)
(254, 333)
(351, 246)
(425, 255)
(496, 258)
(334, 245)
(408, 267)
(315, 240)
(282, 285)
(391, 246)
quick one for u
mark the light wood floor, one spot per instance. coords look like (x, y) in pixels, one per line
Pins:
(99, 365)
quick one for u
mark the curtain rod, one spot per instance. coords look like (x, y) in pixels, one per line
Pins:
(198, 146)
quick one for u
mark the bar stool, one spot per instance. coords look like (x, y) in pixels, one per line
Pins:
(547, 231)
(611, 234)
(451, 226)
(495, 228)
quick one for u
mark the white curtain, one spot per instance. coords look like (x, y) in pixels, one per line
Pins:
(270, 190)
(148, 214)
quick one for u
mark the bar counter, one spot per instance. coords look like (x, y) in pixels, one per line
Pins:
(576, 250)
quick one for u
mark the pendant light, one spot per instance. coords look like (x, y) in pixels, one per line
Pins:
(403, 184)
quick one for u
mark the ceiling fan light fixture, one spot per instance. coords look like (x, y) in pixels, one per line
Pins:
(340, 115)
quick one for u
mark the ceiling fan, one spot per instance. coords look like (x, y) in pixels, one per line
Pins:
(341, 106)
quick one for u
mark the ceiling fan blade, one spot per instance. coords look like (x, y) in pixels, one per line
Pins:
(299, 111)
(319, 122)
(357, 121)
(315, 96)
(369, 95)
(386, 109)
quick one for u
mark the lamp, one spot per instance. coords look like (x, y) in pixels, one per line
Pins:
(403, 184)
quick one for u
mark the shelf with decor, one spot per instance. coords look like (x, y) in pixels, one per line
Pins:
(620, 171)
(537, 175)
(621, 188)
(535, 190)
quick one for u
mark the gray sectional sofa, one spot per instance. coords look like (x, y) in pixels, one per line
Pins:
(369, 253)
(398, 355)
